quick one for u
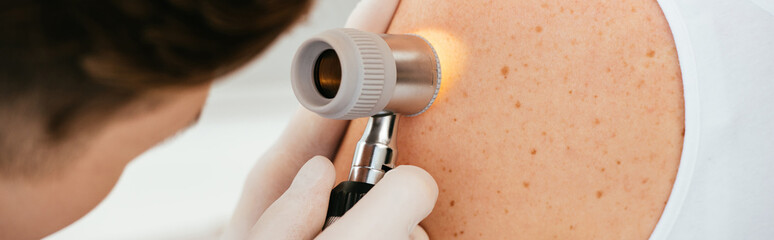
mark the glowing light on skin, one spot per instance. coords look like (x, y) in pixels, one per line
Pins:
(451, 53)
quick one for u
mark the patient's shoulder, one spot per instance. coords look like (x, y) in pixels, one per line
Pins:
(553, 117)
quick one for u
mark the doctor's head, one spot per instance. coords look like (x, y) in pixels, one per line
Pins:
(86, 86)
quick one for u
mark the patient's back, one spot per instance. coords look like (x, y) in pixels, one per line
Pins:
(556, 119)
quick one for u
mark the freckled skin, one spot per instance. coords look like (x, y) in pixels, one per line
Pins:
(561, 119)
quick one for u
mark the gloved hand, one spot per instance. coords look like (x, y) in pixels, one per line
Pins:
(275, 205)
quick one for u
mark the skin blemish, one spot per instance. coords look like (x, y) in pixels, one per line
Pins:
(518, 104)
(450, 170)
(602, 170)
(651, 53)
(618, 162)
(455, 119)
(504, 71)
(572, 227)
(569, 92)
(596, 121)
(506, 211)
(455, 234)
(498, 192)
(543, 133)
(640, 83)
(533, 152)
(599, 194)
(464, 94)
(644, 181)
(462, 232)
(538, 29)
(451, 204)
(525, 184)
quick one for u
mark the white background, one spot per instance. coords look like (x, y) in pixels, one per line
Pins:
(187, 187)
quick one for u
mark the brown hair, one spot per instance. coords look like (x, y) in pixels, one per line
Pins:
(63, 59)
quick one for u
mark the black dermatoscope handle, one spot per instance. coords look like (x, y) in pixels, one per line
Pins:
(374, 156)
(343, 197)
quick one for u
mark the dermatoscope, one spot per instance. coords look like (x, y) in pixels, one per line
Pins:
(347, 74)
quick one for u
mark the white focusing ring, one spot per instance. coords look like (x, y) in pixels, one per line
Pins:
(368, 74)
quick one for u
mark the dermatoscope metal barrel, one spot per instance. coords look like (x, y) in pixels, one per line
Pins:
(375, 154)
(376, 151)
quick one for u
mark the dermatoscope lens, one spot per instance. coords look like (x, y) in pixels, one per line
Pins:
(327, 73)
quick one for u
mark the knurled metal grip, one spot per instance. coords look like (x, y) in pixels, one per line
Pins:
(344, 197)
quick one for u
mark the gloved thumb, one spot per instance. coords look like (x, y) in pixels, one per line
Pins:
(300, 212)
(391, 209)
(372, 15)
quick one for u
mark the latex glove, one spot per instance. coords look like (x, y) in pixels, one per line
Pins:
(273, 208)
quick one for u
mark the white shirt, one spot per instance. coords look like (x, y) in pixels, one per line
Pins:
(725, 182)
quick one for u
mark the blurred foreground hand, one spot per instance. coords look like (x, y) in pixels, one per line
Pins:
(286, 194)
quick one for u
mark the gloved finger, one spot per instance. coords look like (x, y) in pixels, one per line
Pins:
(300, 212)
(307, 135)
(419, 234)
(391, 210)
(372, 15)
